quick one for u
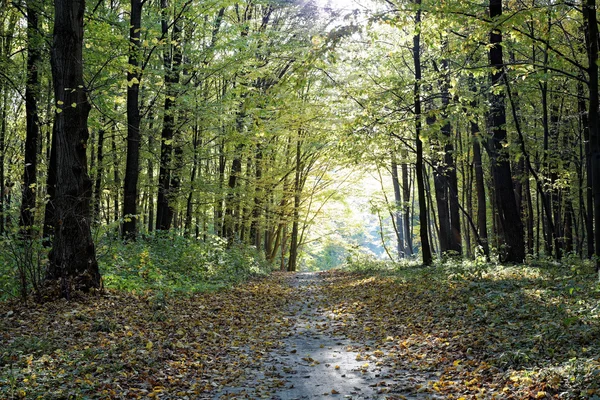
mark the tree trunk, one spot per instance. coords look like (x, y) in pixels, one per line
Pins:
(508, 214)
(132, 167)
(589, 218)
(451, 179)
(292, 263)
(73, 256)
(99, 174)
(407, 206)
(425, 248)
(171, 61)
(591, 37)
(26, 220)
(398, 208)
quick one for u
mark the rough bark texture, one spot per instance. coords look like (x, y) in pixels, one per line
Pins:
(134, 76)
(508, 213)
(73, 257)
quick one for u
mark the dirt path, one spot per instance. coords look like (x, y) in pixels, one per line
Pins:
(314, 362)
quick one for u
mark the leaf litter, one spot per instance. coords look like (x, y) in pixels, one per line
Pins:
(327, 335)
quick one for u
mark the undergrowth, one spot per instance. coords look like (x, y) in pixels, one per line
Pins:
(159, 262)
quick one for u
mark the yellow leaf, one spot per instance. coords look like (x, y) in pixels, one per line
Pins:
(60, 102)
(73, 105)
(337, 367)
(333, 391)
(540, 395)
(149, 345)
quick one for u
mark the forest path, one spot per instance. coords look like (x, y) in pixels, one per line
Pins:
(315, 361)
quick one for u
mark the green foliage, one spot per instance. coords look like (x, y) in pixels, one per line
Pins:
(169, 262)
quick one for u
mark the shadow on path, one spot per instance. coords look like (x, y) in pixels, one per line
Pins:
(313, 362)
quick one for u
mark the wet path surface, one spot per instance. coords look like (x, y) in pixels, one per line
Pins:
(313, 362)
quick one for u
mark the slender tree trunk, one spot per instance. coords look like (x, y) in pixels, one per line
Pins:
(406, 189)
(451, 179)
(189, 204)
(255, 225)
(480, 190)
(425, 247)
(117, 179)
(73, 256)
(398, 208)
(589, 218)
(26, 221)
(97, 199)
(150, 172)
(292, 263)
(3, 208)
(172, 59)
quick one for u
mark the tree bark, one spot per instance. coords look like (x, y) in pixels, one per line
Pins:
(172, 59)
(26, 220)
(425, 248)
(508, 214)
(591, 38)
(132, 167)
(406, 189)
(398, 208)
(72, 260)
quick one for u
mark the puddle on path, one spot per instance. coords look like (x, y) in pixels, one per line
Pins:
(312, 362)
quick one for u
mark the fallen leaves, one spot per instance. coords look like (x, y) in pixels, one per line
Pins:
(498, 335)
(124, 345)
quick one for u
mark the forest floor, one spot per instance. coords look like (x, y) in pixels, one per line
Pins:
(506, 333)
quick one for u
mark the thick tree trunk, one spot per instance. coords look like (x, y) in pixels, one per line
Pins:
(132, 167)
(508, 214)
(73, 256)
(425, 248)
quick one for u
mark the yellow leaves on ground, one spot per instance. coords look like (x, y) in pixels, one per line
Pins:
(125, 345)
(479, 339)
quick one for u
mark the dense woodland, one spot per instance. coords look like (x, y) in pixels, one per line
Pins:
(160, 160)
(226, 120)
